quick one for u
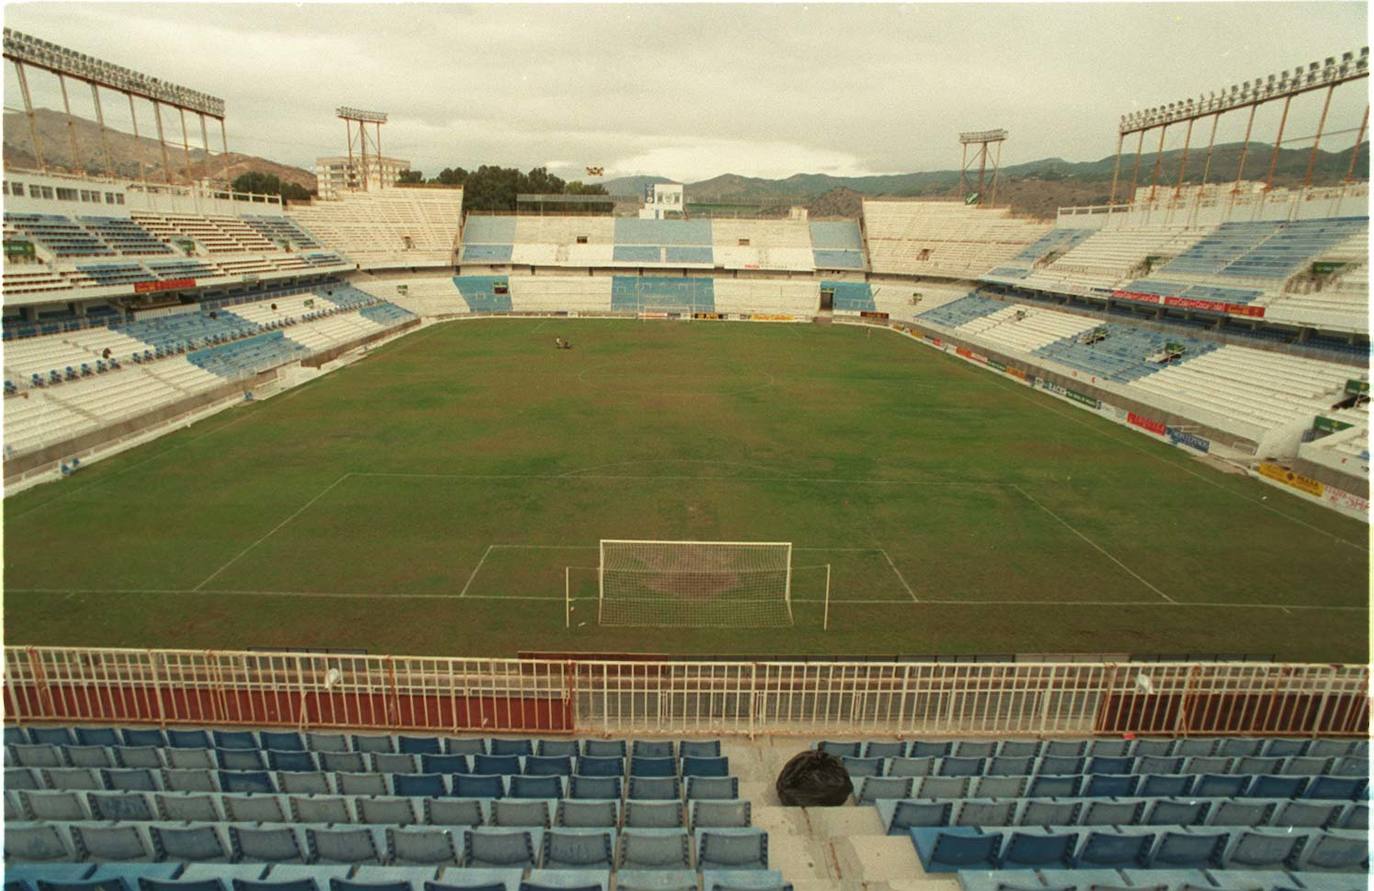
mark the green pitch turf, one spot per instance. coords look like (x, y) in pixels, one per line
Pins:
(430, 499)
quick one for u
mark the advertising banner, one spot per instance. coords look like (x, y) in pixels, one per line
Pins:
(1137, 296)
(164, 285)
(1289, 478)
(1191, 440)
(1150, 424)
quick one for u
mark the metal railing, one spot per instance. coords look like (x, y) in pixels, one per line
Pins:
(595, 697)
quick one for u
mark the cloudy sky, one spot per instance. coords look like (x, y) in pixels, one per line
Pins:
(692, 91)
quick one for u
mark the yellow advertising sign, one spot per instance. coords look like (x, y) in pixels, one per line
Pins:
(1289, 478)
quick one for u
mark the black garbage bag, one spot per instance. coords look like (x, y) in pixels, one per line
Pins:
(814, 779)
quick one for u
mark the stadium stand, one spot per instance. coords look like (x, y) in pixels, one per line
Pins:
(762, 244)
(68, 385)
(837, 244)
(396, 809)
(943, 239)
(484, 293)
(396, 227)
(1122, 811)
(488, 239)
(1253, 394)
(643, 294)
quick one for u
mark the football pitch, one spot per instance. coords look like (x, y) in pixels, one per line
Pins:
(437, 496)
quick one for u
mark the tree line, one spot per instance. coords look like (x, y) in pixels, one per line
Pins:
(494, 188)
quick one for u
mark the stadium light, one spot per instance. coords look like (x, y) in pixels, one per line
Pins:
(357, 114)
(22, 48)
(1311, 76)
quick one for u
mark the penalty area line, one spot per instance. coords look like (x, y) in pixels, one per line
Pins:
(1101, 550)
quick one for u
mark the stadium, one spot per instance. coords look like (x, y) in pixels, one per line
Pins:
(653, 541)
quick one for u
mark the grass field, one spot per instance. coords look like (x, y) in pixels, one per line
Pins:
(428, 499)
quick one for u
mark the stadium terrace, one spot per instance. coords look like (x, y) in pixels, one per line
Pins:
(938, 547)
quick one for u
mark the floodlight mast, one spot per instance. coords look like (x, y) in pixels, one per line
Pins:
(982, 139)
(25, 52)
(362, 118)
(1327, 74)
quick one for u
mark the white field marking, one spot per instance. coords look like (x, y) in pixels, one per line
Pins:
(900, 577)
(558, 599)
(1106, 553)
(1074, 416)
(302, 509)
(476, 569)
(729, 479)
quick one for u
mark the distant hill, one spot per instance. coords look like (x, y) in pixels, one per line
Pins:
(126, 151)
(1037, 188)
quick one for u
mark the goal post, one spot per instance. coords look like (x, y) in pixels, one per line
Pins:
(742, 584)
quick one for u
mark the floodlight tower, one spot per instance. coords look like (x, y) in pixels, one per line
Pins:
(983, 139)
(26, 52)
(362, 118)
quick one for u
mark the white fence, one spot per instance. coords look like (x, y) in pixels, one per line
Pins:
(602, 697)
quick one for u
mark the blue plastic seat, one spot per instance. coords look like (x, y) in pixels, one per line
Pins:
(653, 849)
(424, 785)
(1165, 786)
(1008, 765)
(292, 760)
(1111, 786)
(1103, 764)
(1190, 850)
(275, 844)
(557, 748)
(1335, 788)
(372, 743)
(1036, 850)
(604, 748)
(520, 786)
(918, 814)
(503, 764)
(655, 880)
(654, 814)
(240, 759)
(1056, 765)
(57, 736)
(870, 789)
(352, 845)
(521, 813)
(596, 788)
(511, 747)
(393, 762)
(644, 766)
(999, 787)
(421, 846)
(189, 843)
(319, 809)
(36, 842)
(954, 766)
(477, 880)
(1055, 786)
(281, 740)
(388, 810)
(986, 812)
(841, 749)
(1019, 748)
(705, 766)
(549, 765)
(96, 736)
(1241, 812)
(254, 808)
(125, 780)
(656, 788)
(1336, 851)
(577, 814)
(698, 748)
(593, 766)
(464, 746)
(911, 767)
(235, 739)
(929, 749)
(722, 849)
(455, 811)
(711, 788)
(470, 785)
(128, 806)
(1275, 787)
(418, 745)
(120, 842)
(578, 849)
(343, 762)
(1177, 812)
(1049, 812)
(499, 848)
(430, 763)
(953, 850)
(1219, 785)
(1114, 850)
(361, 784)
(185, 739)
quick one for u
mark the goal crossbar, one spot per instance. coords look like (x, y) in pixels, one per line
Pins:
(683, 583)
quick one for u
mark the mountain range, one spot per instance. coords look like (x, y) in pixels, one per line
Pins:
(131, 157)
(1034, 188)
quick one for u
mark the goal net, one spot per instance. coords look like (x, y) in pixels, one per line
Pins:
(695, 583)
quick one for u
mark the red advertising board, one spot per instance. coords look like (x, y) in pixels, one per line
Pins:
(1235, 309)
(1137, 296)
(1145, 423)
(164, 285)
